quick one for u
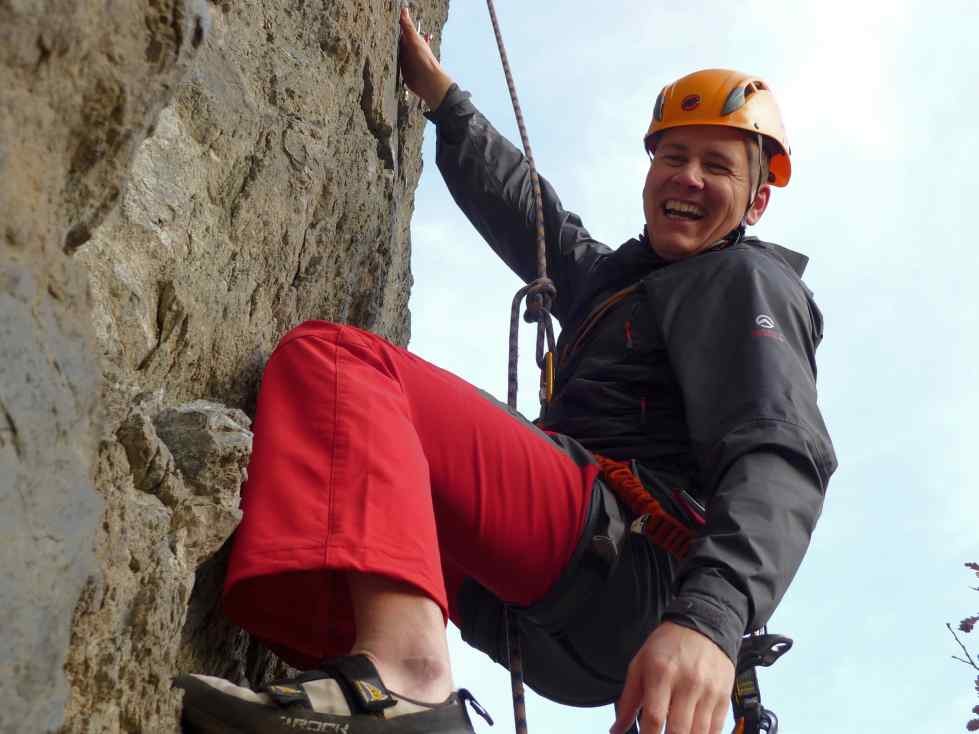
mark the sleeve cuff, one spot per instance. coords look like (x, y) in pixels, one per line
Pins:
(723, 625)
(452, 116)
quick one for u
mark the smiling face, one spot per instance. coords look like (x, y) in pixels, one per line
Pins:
(698, 187)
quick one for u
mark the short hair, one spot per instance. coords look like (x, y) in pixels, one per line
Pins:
(768, 148)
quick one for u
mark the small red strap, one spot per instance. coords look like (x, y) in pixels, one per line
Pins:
(664, 530)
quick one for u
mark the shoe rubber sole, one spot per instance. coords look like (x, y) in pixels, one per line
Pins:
(209, 711)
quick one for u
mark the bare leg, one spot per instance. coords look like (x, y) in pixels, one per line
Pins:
(403, 632)
(399, 628)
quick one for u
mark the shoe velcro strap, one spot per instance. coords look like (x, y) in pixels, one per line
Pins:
(287, 693)
(361, 683)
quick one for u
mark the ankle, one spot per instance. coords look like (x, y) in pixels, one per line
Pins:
(425, 678)
(402, 631)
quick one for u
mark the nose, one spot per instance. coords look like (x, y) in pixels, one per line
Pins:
(689, 176)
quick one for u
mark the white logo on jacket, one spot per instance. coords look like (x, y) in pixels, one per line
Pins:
(765, 321)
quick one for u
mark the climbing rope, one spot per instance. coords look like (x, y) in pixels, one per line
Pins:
(539, 294)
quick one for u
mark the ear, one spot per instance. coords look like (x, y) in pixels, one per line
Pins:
(759, 205)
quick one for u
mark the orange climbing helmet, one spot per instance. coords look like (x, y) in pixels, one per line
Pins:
(731, 99)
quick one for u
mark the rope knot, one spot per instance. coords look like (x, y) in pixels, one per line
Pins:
(540, 294)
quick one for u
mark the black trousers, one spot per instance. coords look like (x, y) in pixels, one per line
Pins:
(579, 640)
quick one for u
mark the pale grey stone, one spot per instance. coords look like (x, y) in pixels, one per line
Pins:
(79, 94)
(181, 182)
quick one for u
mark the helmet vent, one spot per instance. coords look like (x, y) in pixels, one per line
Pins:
(735, 100)
(658, 109)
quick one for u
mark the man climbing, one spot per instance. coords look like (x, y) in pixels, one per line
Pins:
(386, 495)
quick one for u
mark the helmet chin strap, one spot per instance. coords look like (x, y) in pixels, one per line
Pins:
(736, 234)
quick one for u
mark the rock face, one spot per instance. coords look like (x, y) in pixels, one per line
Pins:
(181, 182)
(79, 89)
(175, 476)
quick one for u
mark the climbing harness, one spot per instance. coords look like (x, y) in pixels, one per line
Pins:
(673, 536)
(652, 520)
(589, 323)
(539, 294)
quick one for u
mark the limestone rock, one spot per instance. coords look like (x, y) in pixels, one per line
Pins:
(198, 431)
(181, 182)
(82, 82)
(129, 621)
(277, 187)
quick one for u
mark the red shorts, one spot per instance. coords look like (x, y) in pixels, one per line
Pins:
(367, 458)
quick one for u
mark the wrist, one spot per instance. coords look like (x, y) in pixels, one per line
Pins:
(436, 91)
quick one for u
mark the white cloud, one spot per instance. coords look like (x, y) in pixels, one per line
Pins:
(833, 65)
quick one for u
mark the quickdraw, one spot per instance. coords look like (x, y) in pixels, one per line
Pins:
(760, 649)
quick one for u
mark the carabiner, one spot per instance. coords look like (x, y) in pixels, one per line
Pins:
(549, 376)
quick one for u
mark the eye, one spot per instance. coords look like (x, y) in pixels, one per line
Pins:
(673, 159)
(718, 168)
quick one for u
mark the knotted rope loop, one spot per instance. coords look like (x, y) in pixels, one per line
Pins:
(540, 294)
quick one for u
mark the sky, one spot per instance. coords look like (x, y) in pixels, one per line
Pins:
(880, 103)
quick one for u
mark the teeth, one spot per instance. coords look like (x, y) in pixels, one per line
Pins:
(683, 208)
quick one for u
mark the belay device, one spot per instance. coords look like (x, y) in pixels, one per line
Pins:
(758, 649)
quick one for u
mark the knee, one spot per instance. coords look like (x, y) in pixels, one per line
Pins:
(313, 327)
(353, 340)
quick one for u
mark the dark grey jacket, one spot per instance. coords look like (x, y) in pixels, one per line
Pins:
(705, 376)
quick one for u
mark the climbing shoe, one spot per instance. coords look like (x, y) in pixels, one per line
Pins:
(346, 696)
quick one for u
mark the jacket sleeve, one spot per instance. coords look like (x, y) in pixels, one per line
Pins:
(741, 336)
(490, 181)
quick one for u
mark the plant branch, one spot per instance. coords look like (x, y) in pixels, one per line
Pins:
(970, 661)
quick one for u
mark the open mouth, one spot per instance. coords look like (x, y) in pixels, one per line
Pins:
(674, 209)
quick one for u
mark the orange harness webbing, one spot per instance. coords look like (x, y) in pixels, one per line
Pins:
(593, 318)
(664, 530)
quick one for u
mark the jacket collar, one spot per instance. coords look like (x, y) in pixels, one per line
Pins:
(795, 260)
(639, 255)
